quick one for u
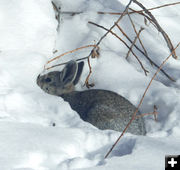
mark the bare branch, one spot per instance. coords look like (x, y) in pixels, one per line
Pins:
(150, 60)
(165, 5)
(164, 34)
(72, 13)
(134, 115)
(68, 52)
(109, 30)
(134, 27)
(83, 58)
(152, 113)
(145, 71)
(125, 10)
(134, 42)
(87, 78)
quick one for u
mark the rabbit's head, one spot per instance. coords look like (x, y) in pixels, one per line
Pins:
(61, 82)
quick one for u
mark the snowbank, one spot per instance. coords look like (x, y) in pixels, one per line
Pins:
(28, 138)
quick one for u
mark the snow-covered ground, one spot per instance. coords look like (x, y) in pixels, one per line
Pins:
(28, 37)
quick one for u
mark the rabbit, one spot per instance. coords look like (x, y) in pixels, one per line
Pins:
(102, 108)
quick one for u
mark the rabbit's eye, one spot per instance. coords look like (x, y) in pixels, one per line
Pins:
(47, 80)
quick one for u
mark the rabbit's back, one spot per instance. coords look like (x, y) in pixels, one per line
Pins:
(105, 110)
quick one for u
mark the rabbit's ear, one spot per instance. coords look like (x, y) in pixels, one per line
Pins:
(69, 72)
(79, 71)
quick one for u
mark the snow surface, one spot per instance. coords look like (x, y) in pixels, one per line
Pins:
(28, 139)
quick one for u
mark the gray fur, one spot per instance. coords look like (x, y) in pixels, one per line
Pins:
(104, 109)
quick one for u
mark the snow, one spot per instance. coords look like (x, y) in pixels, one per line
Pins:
(28, 138)
(26, 25)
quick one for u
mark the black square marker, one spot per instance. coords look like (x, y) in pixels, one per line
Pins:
(172, 162)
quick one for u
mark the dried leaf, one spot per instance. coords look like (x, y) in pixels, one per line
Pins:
(95, 52)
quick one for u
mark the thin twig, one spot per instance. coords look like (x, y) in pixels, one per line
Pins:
(134, 114)
(144, 15)
(165, 5)
(109, 30)
(134, 27)
(137, 35)
(146, 114)
(57, 10)
(145, 71)
(72, 13)
(150, 60)
(164, 34)
(55, 7)
(119, 13)
(68, 52)
(87, 78)
(141, 13)
(83, 58)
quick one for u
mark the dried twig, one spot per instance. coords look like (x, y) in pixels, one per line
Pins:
(87, 78)
(150, 60)
(134, 115)
(134, 27)
(146, 114)
(83, 58)
(57, 10)
(119, 13)
(109, 30)
(145, 71)
(55, 7)
(137, 36)
(141, 13)
(152, 113)
(165, 5)
(164, 34)
(95, 54)
(72, 13)
(68, 52)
